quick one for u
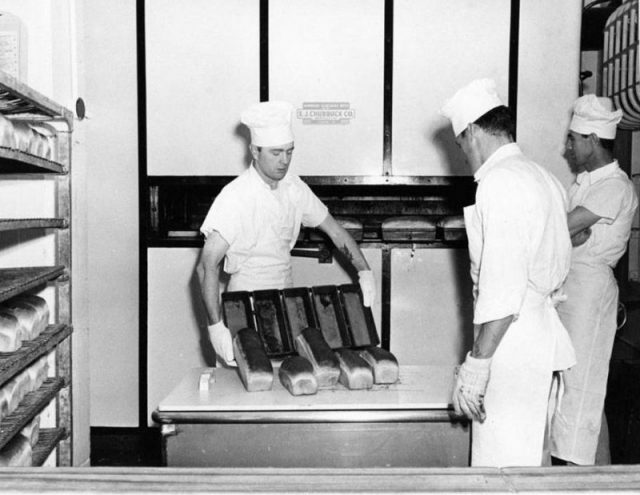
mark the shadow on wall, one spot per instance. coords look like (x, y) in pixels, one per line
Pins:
(455, 163)
(243, 133)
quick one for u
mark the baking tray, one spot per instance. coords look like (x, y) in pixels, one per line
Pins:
(298, 308)
(236, 310)
(331, 320)
(271, 323)
(359, 318)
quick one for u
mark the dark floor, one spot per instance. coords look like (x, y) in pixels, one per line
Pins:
(125, 447)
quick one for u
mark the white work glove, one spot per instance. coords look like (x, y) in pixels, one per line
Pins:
(471, 383)
(367, 286)
(220, 337)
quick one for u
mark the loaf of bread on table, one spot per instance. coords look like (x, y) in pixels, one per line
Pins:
(384, 364)
(253, 363)
(355, 372)
(312, 345)
(10, 332)
(31, 311)
(296, 375)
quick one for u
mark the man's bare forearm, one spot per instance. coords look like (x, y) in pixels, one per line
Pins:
(489, 337)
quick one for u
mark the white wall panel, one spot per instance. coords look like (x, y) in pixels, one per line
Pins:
(176, 318)
(439, 47)
(202, 71)
(331, 51)
(111, 144)
(548, 77)
(431, 306)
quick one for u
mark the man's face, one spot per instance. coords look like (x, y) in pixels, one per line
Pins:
(577, 150)
(273, 162)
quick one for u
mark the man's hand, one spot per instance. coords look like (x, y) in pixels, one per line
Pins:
(367, 286)
(471, 383)
(580, 238)
(221, 340)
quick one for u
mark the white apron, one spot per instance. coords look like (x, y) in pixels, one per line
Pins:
(267, 264)
(517, 394)
(589, 315)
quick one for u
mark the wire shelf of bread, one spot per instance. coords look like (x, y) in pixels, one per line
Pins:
(28, 408)
(30, 351)
(14, 281)
(17, 98)
(7, 224)
(29, 146)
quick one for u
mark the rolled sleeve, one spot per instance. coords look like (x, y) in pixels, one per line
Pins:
(222, 218)
(605, 199)
(314, 211)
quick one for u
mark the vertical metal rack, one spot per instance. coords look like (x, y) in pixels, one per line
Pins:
(19, 102)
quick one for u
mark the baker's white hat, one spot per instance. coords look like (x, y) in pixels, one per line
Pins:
(470, 103)
(595, 114)
(269, 123)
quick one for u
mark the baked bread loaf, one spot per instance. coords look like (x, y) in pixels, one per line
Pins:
(7, 133)
(384, 364)
(32, 431)
(10, 332)
(355, 372)
(24, 135)
(296, 375)
(16, 453)
(38, 373)
(253, 363)
(4, 402)
(452, 228)
(311, 344)
(32, 313)
(408, 228)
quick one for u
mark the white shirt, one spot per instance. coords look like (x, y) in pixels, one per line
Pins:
(261, 225)
(520, 240)
(608, 193)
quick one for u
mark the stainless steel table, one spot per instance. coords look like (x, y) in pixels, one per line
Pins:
(407, 424)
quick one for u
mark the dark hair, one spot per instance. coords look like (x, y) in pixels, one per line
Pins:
(607, 144)
(498, 121)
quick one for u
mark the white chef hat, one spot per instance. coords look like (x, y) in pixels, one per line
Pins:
(595, 114)
(470, 103)
(269, 123)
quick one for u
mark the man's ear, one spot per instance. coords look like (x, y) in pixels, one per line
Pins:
(254, 151)
(472, 130)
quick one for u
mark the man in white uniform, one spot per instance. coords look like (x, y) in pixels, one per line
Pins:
(602, 203)
(519, 248)
(254, 222)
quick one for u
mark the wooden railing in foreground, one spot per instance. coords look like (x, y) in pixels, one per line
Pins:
(609, 479)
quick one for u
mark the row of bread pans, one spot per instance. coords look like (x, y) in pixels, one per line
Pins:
(280, 315)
